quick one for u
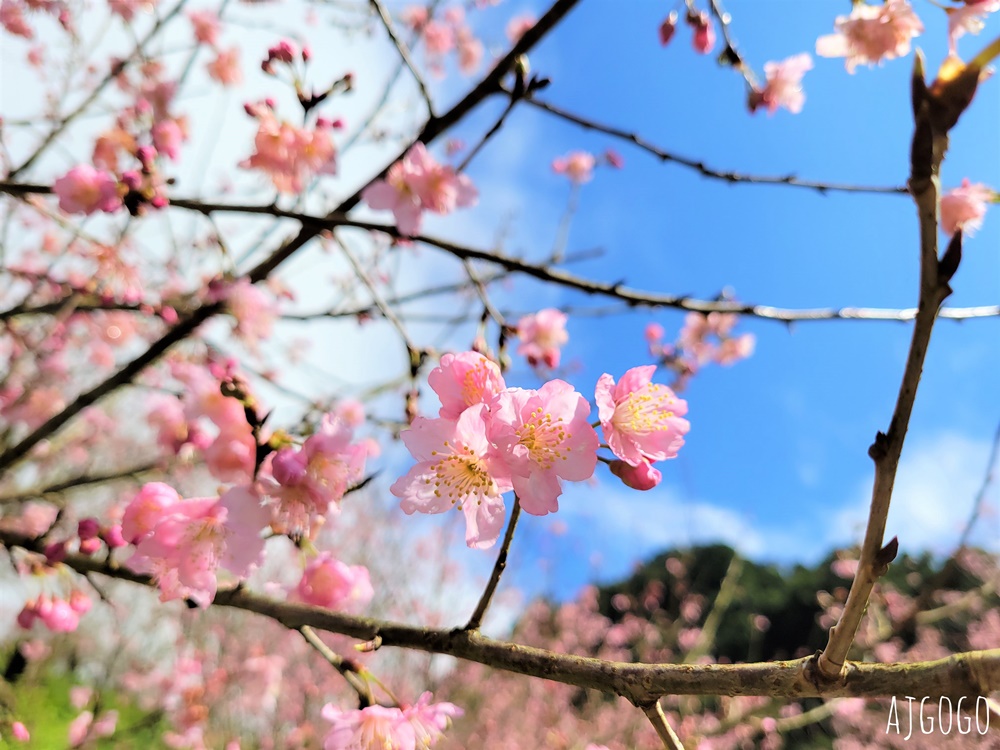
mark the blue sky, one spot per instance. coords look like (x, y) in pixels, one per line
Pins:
(776, 459)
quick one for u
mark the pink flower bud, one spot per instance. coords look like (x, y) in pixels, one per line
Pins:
(643, 477)
(704, 32)
(55, 552)
(90, 546)
(88, 528)
(19, 732)
(112, 536)
(667, 28)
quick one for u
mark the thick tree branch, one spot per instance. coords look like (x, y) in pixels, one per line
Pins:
(971, 674)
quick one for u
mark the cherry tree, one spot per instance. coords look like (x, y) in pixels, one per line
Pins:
(212, 215)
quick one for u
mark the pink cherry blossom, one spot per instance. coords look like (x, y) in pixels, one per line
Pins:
(438, 37)
(430, 720)
(206, 26)
(289, 155)
(458, 469)
(968, 18)
(253, 308)
(231, 456)
(19, 732)
(304, 483)
(641, 420)
(469, 50)
(196, 536)
(964, 207)
(370, 727)
(642, 477)
(225, 68)
(416, 727)
(327, 582)
(703, 39)
(464, 380)
(84, 190)
(577, 165)
(79, 728)
(145, 510)
(872, 33)
(544, 436)
(518, 25)
(784, 85)
(734, 348)
(419, 183)
(12, 19)
(541, 336)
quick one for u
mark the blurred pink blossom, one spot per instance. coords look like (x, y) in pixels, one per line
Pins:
(84, 190)
(872, 33)
(964, 207)
(542, 334)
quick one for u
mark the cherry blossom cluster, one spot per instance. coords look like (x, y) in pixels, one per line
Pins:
(290, 155)
(450, 34)
(415, 727)
(225, 68)
(702, 339)
(542, 335)
(416, 184)
(57, 614)
(489, 439)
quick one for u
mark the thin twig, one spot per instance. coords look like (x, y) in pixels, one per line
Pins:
(404, 54)
(977, 505)
(727, 592)
(491, 586)
(700, 166)
(82, 480)
(346, 668)
(96, 91)
(659, 721)
(434, 127)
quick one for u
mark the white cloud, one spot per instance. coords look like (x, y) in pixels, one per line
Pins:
(936, 485)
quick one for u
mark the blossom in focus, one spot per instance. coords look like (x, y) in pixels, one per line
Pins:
(457, 468)
(872, 33)
(784, 85)
(327, 582)
(419, 183)
(964, 207)
(541, 336)
(543, 436)
(578, 166)
(641, 420)
(642, 477)
(463, 380)
(968, 18)
(84, 190)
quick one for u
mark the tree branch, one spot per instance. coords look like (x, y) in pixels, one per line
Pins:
(491, 586)
(971, 673)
